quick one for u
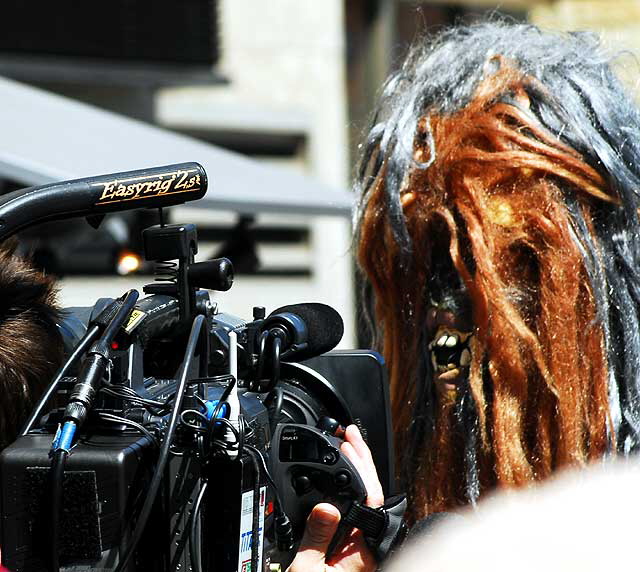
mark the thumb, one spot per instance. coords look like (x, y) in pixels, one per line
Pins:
(321, 526)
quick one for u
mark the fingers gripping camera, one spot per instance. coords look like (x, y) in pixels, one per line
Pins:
(308, 467)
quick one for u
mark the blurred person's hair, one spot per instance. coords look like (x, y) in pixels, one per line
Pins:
(30, 343)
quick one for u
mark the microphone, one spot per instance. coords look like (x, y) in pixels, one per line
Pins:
(305, 330)
(94, 196)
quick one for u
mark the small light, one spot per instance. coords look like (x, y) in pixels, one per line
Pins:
(115, 345)
(269, 508)
(128, 262)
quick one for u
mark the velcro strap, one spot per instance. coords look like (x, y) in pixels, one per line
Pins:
(371, 521)
(384, 528)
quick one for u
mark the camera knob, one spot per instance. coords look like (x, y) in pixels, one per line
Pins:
(302, 484)
(331, 426)
(216, 274)
(342, 478)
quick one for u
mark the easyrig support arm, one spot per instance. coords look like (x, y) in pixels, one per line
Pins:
(95, 196)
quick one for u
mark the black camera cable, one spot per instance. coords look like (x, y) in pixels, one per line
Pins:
(194, 335)
(195, 548)
(87, 384)
(82, 346)
(154, 406)
(275, 363)
(57, 474)
(273, 402)
(111, 418)
(255, 516)
(276, 348)
(217, 419)
(283, 528)
(194, 538)
(93, 330)
(128, 394)
(91, 375)
(262, 341)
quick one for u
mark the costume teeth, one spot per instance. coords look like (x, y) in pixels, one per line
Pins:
(449, 339)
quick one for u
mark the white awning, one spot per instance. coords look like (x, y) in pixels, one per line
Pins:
(45, 138)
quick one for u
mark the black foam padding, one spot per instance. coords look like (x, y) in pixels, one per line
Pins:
(162, 317)
(324, 325)
(80, 538)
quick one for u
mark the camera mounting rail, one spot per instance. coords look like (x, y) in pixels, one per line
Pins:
(93, 197)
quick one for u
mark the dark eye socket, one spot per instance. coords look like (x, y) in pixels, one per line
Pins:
(464, 244)
(521, 271)
(444, 275)
(445, 287)
(441, 268)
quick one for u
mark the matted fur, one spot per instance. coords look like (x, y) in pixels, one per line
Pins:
(30, 343)
(512, 153)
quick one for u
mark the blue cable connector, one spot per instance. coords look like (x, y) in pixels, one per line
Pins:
(64, 437)
(209, 407)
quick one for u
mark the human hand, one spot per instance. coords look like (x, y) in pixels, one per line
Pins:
(352, 555)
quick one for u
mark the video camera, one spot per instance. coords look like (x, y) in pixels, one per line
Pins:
(176, 437)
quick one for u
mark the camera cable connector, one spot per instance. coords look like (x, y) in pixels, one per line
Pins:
(63, 438)
(210, 409)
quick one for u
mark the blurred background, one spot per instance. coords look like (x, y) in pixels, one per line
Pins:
(288, 84)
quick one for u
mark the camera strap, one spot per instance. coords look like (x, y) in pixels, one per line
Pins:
(383, 527)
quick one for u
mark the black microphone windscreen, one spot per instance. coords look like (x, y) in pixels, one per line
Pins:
(324, 325)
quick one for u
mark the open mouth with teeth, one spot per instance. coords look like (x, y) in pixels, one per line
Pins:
(450, 356)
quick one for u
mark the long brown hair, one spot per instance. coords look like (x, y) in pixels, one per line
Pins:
(494, 196)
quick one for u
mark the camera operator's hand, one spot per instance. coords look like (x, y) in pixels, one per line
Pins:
(352, 555)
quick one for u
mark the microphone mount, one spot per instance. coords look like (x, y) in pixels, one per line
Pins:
(165, 244)
(290, 329)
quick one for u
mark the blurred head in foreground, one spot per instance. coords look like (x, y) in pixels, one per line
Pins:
(499, 236)
(30, 344)
(583, 521)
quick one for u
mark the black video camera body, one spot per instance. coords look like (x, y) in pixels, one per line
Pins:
(177, 437)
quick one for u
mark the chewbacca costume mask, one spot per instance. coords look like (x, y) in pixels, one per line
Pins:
(30, 343)
(500, 240)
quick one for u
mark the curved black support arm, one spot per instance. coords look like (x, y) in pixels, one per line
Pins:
(146, 188)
